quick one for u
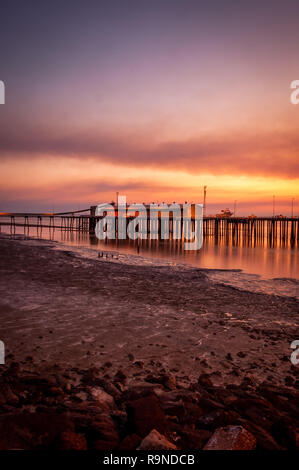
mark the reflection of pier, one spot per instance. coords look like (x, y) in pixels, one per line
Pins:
(272, 228)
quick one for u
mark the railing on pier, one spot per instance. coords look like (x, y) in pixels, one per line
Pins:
(65, 221)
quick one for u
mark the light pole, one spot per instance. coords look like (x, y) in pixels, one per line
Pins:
(293, 199)
(204, 200)
(235, 207)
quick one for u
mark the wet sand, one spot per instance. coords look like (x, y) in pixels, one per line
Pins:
(60, 307)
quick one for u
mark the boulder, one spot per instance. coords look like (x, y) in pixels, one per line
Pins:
(32, 430)
(103, 433)
(130, 442)
(7, 396)
(167, 380)
(156, 441)
(213, 420)
(285, 433)
(264, 440)
(231, 438)
(105, 400)
(69, 440)
(205, 381)
(120, 377)
(194, 439)
(145, 414)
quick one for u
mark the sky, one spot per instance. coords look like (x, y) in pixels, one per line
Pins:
(153, 99)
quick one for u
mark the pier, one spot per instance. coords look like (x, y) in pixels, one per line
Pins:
(273, 228)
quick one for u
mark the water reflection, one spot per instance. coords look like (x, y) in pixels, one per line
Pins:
(268, 257)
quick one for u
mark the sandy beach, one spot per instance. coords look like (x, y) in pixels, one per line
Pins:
(103, 333)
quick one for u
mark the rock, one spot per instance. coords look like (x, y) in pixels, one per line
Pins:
(256, 410)
(241, 354)
(284, 434)
(69, 440)
(91, 376)
(36, 411)
(120, 386)
(39, 381)
(174, 408)
(80, 397)
(105, 400)
(13, 370)
(32, 430)
(192, 413)
(208, 405)
(176, 396)
(108, 364)
(194, 439)
(231, 438)
(145, 414)
(130, 442)
(156, 441)
(7, 396)
(205, 381)
(138, 391)
(169, 381)
(103, 433)
(56, 392)
(120, 377)
(248, 381)
(110, 389)
(264, 441)
(103, 445)
(139, 364)
(289, 380)
(213, 420)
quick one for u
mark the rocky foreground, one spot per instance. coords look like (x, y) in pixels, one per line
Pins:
(89, 409)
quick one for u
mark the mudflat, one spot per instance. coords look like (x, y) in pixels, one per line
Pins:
(59, 307)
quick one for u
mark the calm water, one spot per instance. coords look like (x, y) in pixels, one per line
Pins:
(252, 257)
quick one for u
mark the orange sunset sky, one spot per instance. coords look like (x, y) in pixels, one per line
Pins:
(151, 99)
